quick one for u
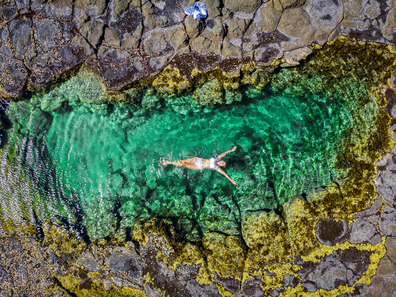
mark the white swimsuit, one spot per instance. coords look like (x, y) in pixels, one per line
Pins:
(213, 165)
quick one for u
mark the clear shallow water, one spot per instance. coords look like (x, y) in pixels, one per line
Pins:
(103, 170)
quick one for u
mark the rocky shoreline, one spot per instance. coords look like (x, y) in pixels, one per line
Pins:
(130, 43)
(132, 40)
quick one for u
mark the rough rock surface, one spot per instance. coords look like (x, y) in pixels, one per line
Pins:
(134, 39)
(26, 267)
(41, 40)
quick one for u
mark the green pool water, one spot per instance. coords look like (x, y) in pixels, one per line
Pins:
(100, 169)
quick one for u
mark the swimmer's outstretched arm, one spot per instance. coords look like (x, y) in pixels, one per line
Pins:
(226, 153)
(219, 170)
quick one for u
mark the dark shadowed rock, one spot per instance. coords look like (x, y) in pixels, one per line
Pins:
(331, 232)
(13, 75)
(230, 284)
(20, 38)
(119, 68)
(251, 288)
(25, 266)
(48, 66)
(290, 281)
(328, 274)
(355, 260)
(48, 34)
(88, 261)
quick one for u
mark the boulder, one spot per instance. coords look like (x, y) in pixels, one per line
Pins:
(92, 31)
(112, 37)
(328, 274)
(237, 27)
(247, 6)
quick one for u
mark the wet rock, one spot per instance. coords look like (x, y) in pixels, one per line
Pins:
(384, 181)
(48, 34)
(230, 284)
(329, 274)
(20, 38)
(330, 232)
(118, 68)
(93, 31)
(247, 6)
(290, 281)
(354, 259)
(13, 75)
(390, 95)
(363, 231)
(25, 266)
(251, 288)
(125, 262)
(163, 278)
(88, 261)
(48, 66)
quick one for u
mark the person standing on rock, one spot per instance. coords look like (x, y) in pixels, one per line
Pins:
(197, 163)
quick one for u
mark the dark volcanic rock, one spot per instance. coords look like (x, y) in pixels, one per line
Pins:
(363, 231)
(48, 66)
(328, 274)
(48, 34)
(20, 38)
(25, 266)
(251, 288)
(13, 75)
(119, 68)
(126, 262)
(331, 232)
(385, 178)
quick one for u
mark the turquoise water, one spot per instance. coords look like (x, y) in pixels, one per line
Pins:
(101, 168)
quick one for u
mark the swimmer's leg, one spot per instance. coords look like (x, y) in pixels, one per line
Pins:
(189, 163)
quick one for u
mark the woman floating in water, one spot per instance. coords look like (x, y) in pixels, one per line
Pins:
(201, 164)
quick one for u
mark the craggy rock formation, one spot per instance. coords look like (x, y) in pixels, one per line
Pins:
(131, 40)
(126, 41)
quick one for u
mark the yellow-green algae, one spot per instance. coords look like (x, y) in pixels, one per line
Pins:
(225, 254)
(339, 202)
